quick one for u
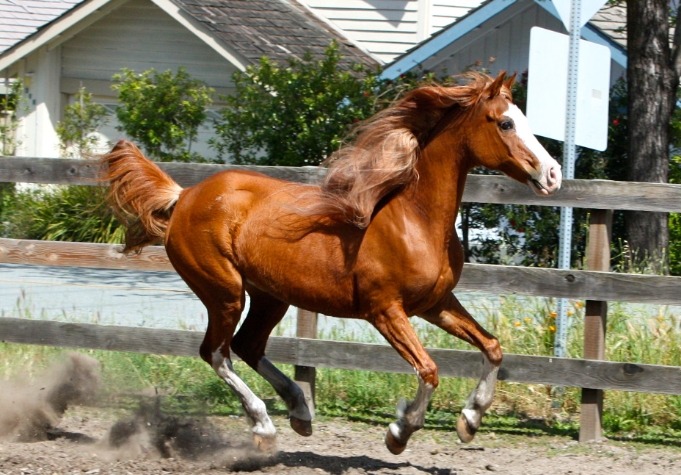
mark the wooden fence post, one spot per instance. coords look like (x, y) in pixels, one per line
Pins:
(595, 319)
(306, 327)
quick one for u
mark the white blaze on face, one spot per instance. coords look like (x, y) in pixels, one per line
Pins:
(549, 176)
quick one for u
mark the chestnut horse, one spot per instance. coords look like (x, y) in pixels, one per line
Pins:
(374, 241)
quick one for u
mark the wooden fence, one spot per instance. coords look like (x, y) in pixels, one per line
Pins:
(307, 353)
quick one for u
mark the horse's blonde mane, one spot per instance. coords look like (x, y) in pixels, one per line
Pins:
(387, 148)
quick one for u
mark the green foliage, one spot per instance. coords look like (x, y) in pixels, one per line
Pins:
(81, 120)
(162, 111)
(60, 213)
(294, 115)
(9, 106)
(675, 219)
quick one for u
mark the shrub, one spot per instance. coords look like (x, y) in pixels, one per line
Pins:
(10, 104)
(81, 120)
(61, 213)
(162, 111)
(295, 114)
(675, 222)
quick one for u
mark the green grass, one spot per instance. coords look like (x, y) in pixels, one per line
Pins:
(524, 326)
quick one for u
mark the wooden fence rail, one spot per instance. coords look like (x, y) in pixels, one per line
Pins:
(497, 279)
(594, 194)
(306, 353)
(353, 356)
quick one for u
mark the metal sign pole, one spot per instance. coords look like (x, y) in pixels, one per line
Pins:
(569, 156)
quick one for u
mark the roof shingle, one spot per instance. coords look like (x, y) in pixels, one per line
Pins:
(19, 19)
(279, 29)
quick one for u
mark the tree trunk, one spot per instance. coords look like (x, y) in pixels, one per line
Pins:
(652, 83)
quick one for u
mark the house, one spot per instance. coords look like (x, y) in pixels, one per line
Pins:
(388, 28)
(58, 46)
(83, 44)
(496, 36)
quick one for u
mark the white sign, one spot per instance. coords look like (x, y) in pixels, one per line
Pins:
(547, 89)
(589, 9)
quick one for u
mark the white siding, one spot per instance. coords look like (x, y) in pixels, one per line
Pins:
(388, 28)
(41, 107)
(501, 43)
(140, 36)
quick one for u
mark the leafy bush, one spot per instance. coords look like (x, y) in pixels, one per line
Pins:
(9, 106)
(81, 120)
(162, 111)
(675, 222)
(294, 115)
(60, 213)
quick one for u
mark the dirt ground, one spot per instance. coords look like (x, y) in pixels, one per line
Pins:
(83, 444)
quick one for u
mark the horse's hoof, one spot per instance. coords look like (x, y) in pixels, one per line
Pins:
(395, 446)
(464, 429)
(265, 444)
(302, 427)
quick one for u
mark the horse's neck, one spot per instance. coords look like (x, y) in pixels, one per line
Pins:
(442, 171)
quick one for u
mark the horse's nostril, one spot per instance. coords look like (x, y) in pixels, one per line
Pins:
(552, 175)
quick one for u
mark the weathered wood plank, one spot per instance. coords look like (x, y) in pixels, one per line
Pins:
(188, 174)
(353, 356)
(573, 284)
(596, 194)
(595, 323)
(68, 171)
(305, 376)
(73, 254)
(58, 171)
(100, 337)
(515, 368)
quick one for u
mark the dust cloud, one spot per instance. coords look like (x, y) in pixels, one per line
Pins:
(31, 409)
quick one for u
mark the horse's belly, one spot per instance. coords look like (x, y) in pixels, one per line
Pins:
(302, 275)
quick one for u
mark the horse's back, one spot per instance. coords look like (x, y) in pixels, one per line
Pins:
(209, 216)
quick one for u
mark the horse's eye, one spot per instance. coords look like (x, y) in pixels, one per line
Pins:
(506, 125)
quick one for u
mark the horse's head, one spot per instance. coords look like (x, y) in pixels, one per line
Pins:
(500, 139)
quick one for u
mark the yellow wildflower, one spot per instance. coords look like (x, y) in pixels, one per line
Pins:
(517, 323)
(552, 328)
(528, 319)
(570, 312)
(579, 304)
(553, 314)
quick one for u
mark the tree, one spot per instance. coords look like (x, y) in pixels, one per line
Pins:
(653, 70)
(81, 120)
(10, 104)
(162, 111)
(296, 114)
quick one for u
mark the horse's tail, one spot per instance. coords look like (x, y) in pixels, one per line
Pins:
(142, 195)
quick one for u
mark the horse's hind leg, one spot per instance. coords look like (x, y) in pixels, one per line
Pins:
(225, 303)
(450, 315)
(394, 325)
(249, 343)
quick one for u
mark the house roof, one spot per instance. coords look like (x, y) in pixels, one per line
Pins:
(19, 19)
(612, 20)
(607, 27)
(278, 29)
(242, 30)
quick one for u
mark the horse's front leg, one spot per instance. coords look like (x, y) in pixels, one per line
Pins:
(394, 325)
(450, 315)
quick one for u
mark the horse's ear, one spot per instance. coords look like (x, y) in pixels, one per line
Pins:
(509, 82)
(495, 88)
